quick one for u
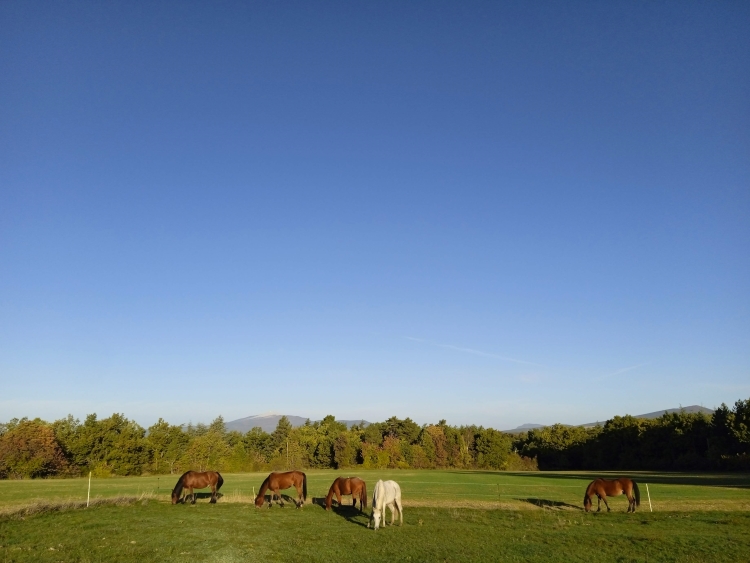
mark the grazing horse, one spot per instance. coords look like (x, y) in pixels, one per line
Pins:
(348, 486)
(280, 481)
(386, 494)
(197, 480)
(603, 488)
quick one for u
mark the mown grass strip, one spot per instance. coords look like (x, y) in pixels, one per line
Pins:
(43, 506)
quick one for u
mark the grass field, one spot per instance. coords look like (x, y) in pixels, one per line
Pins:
(449, 516)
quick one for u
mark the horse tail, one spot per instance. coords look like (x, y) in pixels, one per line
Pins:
(637, 494)
(220, 481)
(363, 497)
(304, 487)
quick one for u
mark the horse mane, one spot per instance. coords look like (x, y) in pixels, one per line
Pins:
(375, 494)
(177, 491)
(588, 493)
(331, 491)
(263, 488)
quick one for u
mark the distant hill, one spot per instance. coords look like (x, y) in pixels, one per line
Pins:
(268, 422)
(524, 428)
(656, 414)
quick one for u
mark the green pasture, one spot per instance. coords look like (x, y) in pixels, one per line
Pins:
(449, 516)
(486, 489)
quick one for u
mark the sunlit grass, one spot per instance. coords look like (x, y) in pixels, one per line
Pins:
(449, 516)
(669, 491)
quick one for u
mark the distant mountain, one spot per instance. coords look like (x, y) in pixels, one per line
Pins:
(524, 428)
(656, 414)
(268, 422)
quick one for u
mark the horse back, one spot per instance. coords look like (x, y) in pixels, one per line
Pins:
(345, 485)
(614, 487)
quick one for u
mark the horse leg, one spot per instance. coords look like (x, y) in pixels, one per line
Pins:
(598, 503)
(192, 495)
(213, 494)
(281, 500)
(604, 498)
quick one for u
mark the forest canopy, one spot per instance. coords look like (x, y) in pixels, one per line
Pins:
(119, 446)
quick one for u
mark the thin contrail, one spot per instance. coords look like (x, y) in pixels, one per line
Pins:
(472, 351)
(619, 371)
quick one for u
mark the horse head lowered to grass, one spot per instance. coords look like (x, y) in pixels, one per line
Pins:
(280, 481)
(348, 486)
(386, 494)
(603, 488)
(191, 480)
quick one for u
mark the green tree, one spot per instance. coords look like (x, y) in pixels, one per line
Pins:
(113, 445)
(405, 429)
(218, 426)
(280, 434)
(373, 434)
(493, 449)
(345, 454)
(166, 443)
(206, 452)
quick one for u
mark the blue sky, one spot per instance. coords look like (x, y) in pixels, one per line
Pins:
(492, 213)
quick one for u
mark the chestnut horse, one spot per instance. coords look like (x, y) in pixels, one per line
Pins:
(280, 481)
(348, 486)
(197, 480)
(603, 488)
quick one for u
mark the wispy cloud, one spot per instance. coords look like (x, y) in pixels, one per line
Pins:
(619, 371)
(471, 351)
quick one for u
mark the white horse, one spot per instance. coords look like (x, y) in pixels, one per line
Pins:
(386, 494)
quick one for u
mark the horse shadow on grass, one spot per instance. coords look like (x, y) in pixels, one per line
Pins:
(286, 499)
(199, 496)
(346, 511)
(696, 478)
(551, 504)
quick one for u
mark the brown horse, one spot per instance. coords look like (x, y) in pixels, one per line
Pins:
(348, 486)
(197, 480)
(603, 488)
(280, 481)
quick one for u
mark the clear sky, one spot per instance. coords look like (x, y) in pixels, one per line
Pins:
(492, 213)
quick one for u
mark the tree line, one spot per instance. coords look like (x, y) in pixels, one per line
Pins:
(672, 442)
(119, 446)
